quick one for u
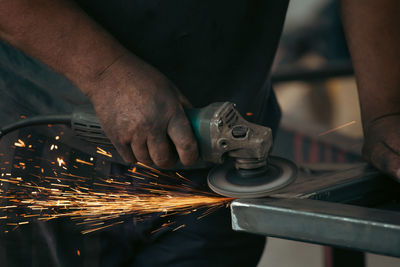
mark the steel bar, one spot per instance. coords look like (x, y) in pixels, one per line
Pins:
(321, 222)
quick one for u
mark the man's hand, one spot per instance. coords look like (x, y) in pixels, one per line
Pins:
(382, 144)
(373, 35)
(139, 109)
(142, 113)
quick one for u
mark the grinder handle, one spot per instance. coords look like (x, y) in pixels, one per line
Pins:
(86, 126)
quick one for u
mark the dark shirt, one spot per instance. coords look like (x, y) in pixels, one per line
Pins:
(212, 50)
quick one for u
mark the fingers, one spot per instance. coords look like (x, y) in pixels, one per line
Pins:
(161, 144)
(126, 153)
(386, 158)
(139, 149)
(181, 134)
(157, 148)
(161, 151)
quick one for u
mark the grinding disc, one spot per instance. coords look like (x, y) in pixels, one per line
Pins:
(226, 180)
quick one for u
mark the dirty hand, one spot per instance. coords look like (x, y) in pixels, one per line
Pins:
(382, 144)
(142, 113)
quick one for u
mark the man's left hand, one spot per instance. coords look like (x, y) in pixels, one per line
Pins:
(382, 144)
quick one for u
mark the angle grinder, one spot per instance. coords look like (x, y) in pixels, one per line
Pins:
(239, 149)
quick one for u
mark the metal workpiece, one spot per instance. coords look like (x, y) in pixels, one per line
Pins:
(308, 210)
(314, 221)
(347, 183)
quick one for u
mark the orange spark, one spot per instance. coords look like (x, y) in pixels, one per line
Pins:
(99, 202)
(103, 152)
(19, 143)
(84, 162)
(337, 128)
(97, 208)
(53, 146)
(60, 162)
(179, 227)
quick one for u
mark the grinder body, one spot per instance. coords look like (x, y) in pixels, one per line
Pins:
(239, 148)
(219, 129)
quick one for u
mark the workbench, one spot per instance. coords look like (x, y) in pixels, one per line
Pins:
(353, 207)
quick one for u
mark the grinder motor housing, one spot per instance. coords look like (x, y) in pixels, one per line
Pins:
(220, 131)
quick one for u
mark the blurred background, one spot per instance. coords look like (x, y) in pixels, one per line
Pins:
(321, 123)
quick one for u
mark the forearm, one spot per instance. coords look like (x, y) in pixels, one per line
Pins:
(372, 29)
(140, 110)
(59, 34)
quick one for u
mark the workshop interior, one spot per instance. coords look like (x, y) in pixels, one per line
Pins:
(304, 188)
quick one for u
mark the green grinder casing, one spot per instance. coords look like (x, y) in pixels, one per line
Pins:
(200, 119)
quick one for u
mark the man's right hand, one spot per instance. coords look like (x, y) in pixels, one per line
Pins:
(139, 109)
(142, 113)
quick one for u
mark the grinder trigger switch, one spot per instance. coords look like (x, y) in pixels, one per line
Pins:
(239, 131)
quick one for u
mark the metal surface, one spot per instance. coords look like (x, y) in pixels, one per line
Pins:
(334, 224)
(348, 184)
(228, 181)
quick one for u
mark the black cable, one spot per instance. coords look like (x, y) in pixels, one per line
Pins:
(36, 120)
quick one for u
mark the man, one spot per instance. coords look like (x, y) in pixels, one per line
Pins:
(142, 62)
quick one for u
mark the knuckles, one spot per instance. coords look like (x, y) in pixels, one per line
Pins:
(127, 123)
